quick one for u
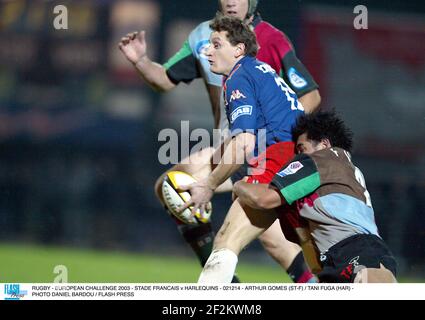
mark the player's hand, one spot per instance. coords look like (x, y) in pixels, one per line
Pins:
(200, 196)
(133, 46)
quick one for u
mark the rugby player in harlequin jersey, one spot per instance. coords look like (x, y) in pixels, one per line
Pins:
(190, 63)
(277, 50)
(334, 205)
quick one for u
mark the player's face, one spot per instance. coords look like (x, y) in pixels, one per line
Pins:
(235, 8)
(222, 56)
(307, 146)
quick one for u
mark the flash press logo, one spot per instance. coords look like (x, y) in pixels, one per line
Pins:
(14, 292)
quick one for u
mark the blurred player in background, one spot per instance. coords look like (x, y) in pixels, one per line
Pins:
(334, 205)
(190, 63)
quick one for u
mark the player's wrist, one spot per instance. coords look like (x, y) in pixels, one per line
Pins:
(211, 183)
(141, 60)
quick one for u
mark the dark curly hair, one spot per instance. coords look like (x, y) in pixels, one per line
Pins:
(237, 32)
(324, 125)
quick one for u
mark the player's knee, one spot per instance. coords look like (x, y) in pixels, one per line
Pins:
(268, 243)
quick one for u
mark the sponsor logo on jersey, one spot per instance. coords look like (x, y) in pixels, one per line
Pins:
(201, 48)
(240, 111)
(265, 68)
(296, 79)
(236, 94)
(294, 167)
(355, 261)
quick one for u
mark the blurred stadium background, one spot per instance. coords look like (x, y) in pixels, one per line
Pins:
(78, 132)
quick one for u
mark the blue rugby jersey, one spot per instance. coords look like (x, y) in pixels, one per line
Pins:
(257, 98)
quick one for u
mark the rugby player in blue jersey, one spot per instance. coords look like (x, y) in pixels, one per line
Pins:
(190, 63)
(261, 109)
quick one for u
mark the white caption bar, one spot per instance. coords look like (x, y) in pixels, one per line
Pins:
(167, 291)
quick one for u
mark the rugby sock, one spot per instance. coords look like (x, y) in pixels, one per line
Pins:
(220, 267)
(299, 272)
(200, 238)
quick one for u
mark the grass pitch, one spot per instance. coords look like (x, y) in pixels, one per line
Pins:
(23, 264)
(36, 264)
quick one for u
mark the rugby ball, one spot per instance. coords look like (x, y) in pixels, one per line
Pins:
(174, 198)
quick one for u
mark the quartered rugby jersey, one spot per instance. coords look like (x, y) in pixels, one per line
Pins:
(330, 193)
(257, 98)
(190, 62)
(275, 49)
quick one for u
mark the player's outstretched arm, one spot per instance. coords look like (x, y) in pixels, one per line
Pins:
(134, 48)
(257, 196)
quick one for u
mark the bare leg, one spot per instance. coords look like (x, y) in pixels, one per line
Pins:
(240, 227)
(273, 240)
(280, 249)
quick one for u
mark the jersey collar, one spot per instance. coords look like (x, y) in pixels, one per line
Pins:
(237, 66)
(257, 20)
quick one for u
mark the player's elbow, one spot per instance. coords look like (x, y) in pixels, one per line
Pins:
(163, 87)
(160, 90)
(317, 100)
(311, 101)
